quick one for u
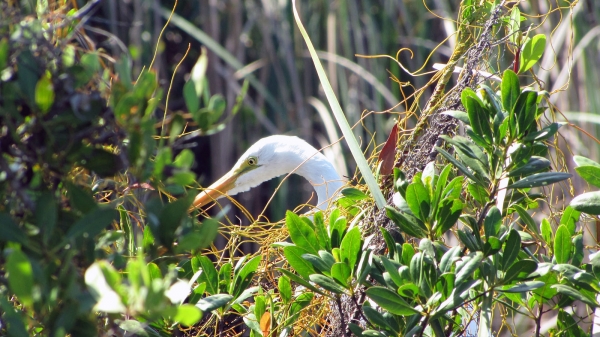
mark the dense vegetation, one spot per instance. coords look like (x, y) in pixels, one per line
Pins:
(96, 182)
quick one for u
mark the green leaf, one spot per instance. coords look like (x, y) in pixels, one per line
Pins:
(591, 174)
(527, 220)
(562, 245)
(418, 199)
(92, 223)
(468, 265)
(243, 278)
(200, 237)
(192, 99)
(583, 161)
(520, 270)
(327, 283)
(187, 315)
(389, 242)
(522, 287)
(341, 273)
(374, 317)
(317, 263)
(540, 179)
(80, 199)
(460, 115)
(545, 133)
(293, 255)
(575, 294)
(587, 203)
(44, 93)
(533, 165)
(546, 229)
(209, 275)
(213, 302)
(407, 223)
(510, 89)
(470, 154)
(390, 301)
(459, 166)
(531, 52)
(392, 270)
(511, 249)
(321, 231)
(300, 281)
(514, 26)
(301, 233)
(479, 118)
(197, 76)
(285, 289)
(492, 222)
(20, 277)
(354, 193)
(448, 259)
(350, 247)
(578, 250)
(448, 214)
(569, 218)
(525, 111)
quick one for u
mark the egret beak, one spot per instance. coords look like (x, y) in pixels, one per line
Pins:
(216, 190)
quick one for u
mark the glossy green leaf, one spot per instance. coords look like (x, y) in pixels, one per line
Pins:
(545, 133)
(514, 26)
(578, 250)
(470, 154)
(341, 272)
(591, 174)
(201, 236)
(527, 220)
(525, 111)
(392, 269)
(243, 278)
(468, 265)
(209, 275)
(587, 203)
(460, 115)
(327, 283)
(321, 231)
(511, 249)
(479, 118)
(418, 199)
(448, 259)
(389, 242)
(569, 218)
(285, 289)
(492, 222)
(562, 245)
(522, 287)
(300, 280)
(354, 193)
(575, 294)
(317, 263)
(520, 270)
(535, 164)
(407, 223)
(531, 52)
(213, 302)
(462, 168)
(301, 234)
(583, 161)
(448, 214)
(546, 230)
(540, 179)
(294, 257)
(350, 247)
(390, 301)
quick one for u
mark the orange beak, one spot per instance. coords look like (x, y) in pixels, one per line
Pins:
(216, 190)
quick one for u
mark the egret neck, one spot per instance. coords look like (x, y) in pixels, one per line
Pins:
(272, 157)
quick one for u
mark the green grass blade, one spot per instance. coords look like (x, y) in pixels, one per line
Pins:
(361, 161)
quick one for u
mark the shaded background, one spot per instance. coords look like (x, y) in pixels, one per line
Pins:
(262, 37)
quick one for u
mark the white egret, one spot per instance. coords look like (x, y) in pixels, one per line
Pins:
(272, 157)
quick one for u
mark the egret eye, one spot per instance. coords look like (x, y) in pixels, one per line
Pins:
(251, 161)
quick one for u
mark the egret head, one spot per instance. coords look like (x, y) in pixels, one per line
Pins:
(272, 157)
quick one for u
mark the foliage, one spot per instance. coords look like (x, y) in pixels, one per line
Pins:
(82, 229)
(96, 237)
